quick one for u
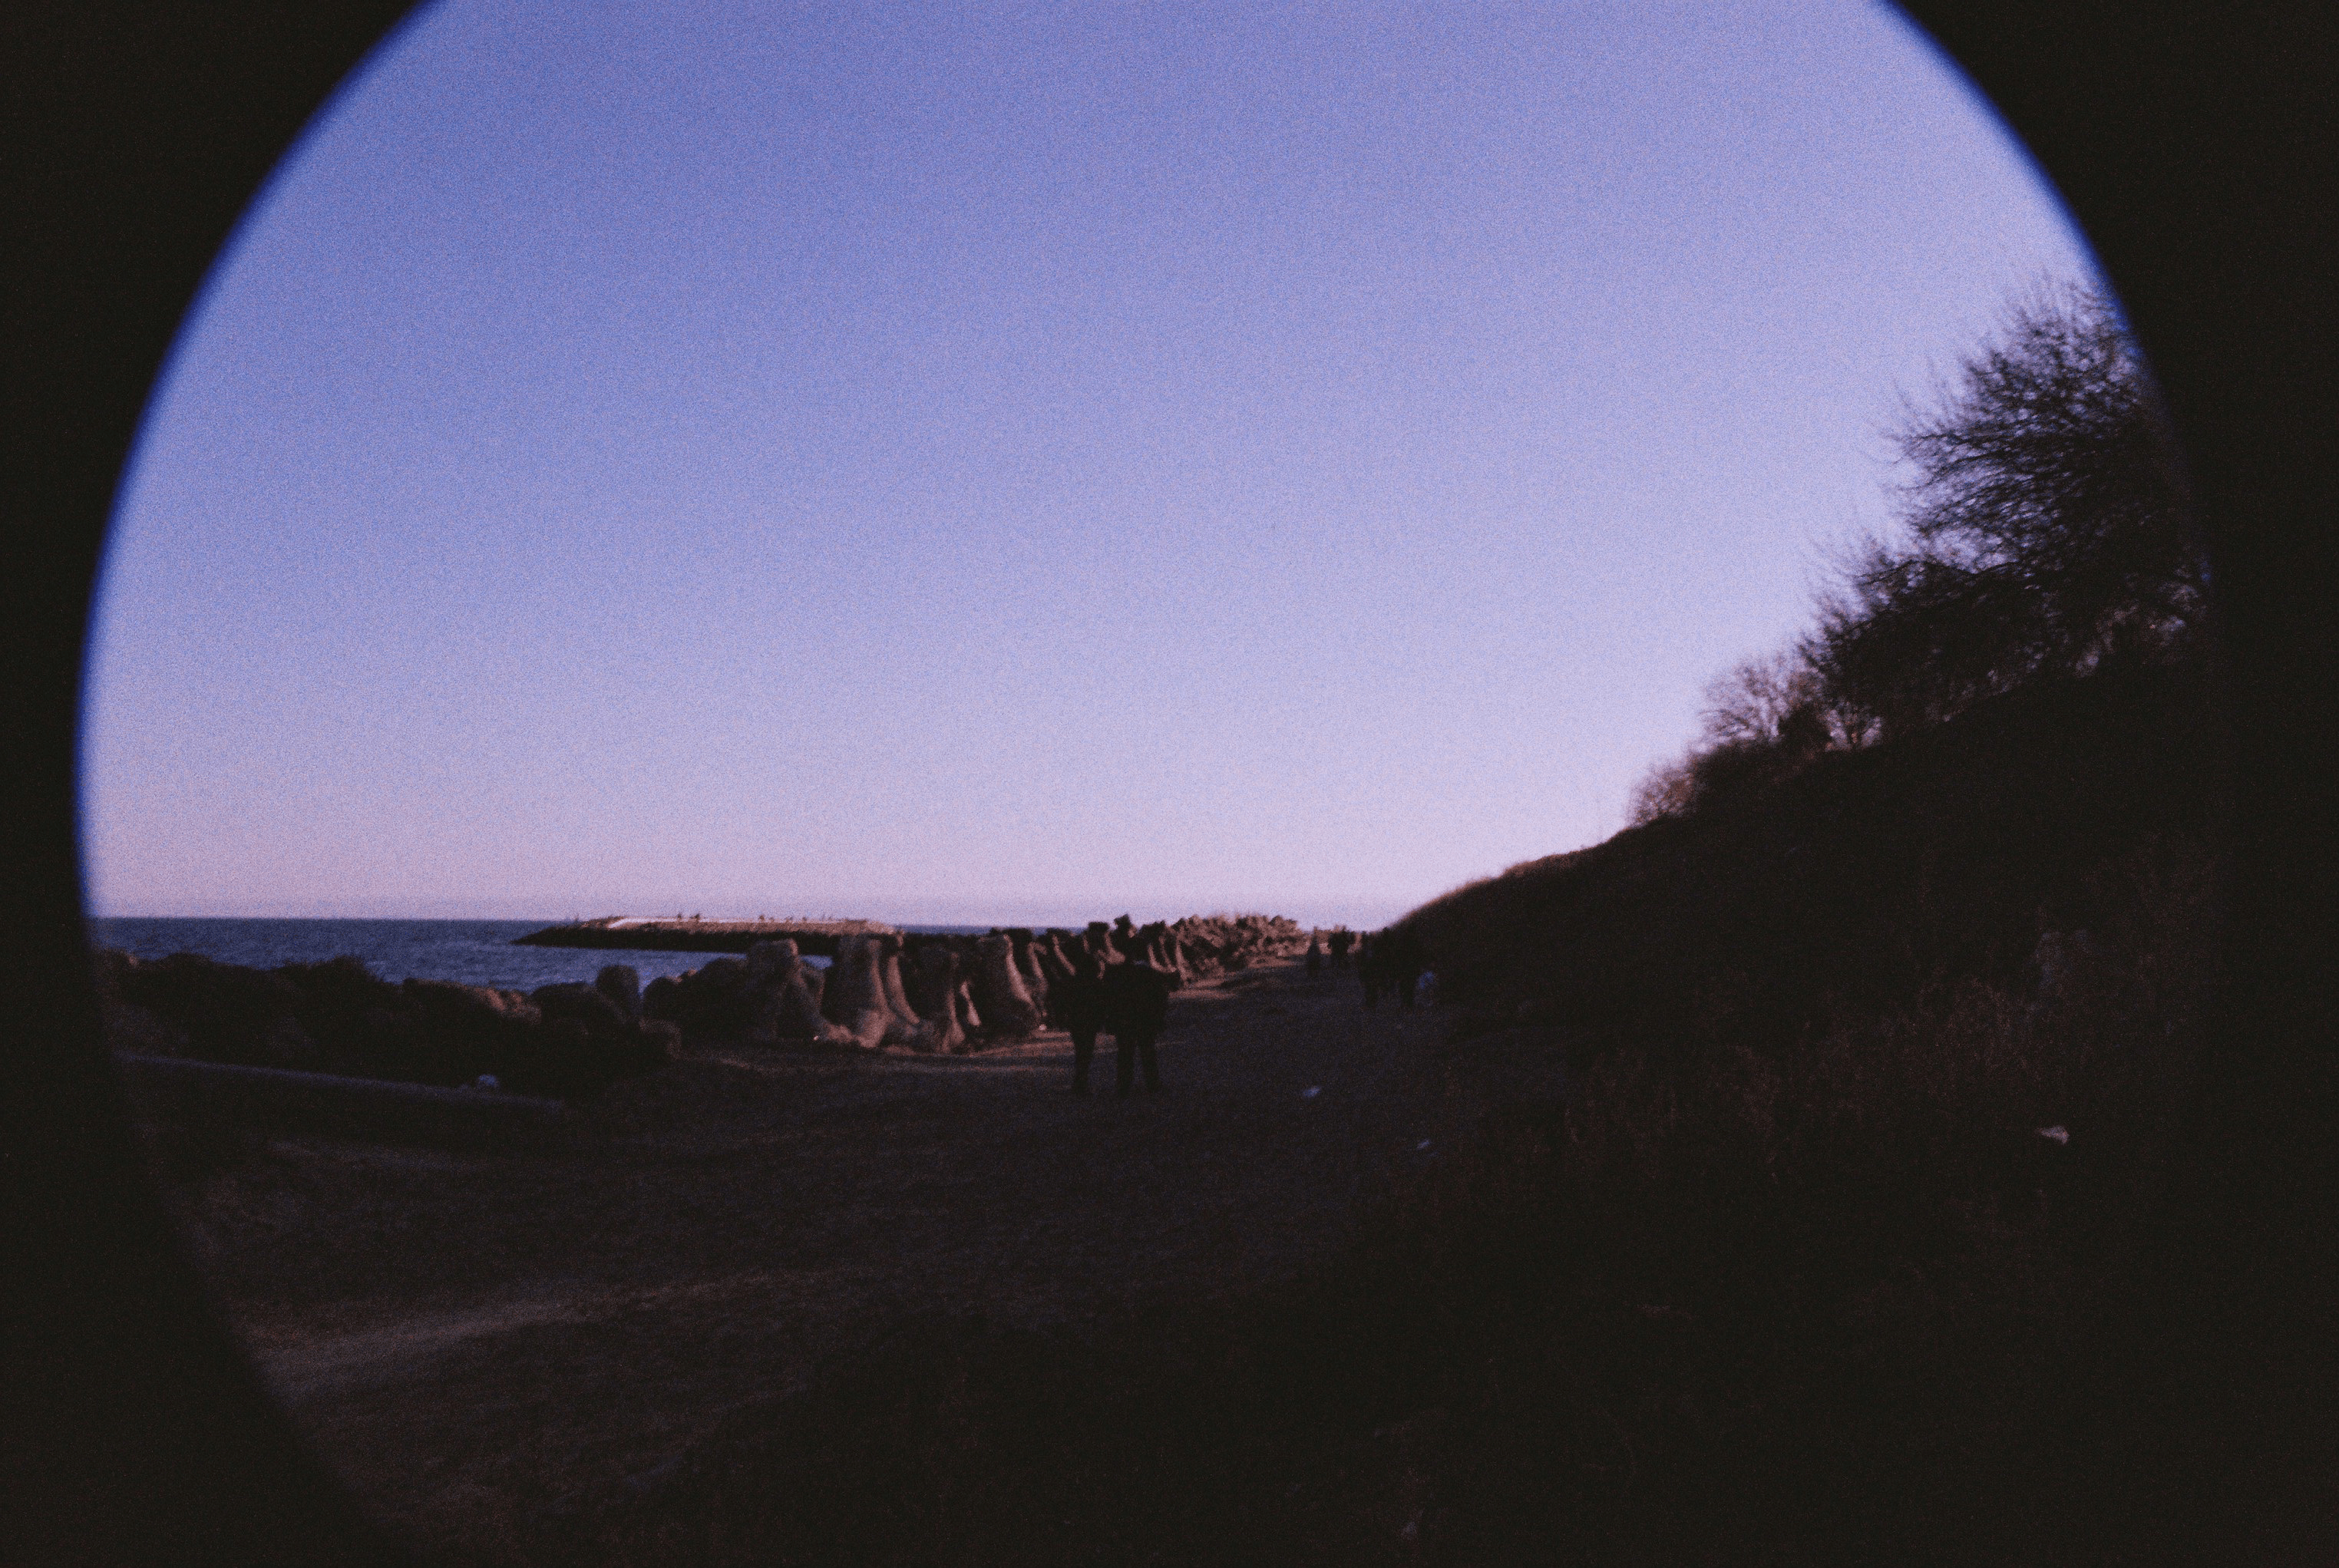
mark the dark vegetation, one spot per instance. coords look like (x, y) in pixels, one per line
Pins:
(568, 1042)
(1992, 711)
(1853, 1243)
(1863, 881)
(2045, 537)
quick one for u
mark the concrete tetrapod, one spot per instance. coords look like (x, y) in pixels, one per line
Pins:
(999, 989)
(856, 999)
(937, 986)
(970, 1020)
(792, 1011)
(889, 976)
(1027, 964)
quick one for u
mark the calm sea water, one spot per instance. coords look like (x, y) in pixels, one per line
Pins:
(473, 951)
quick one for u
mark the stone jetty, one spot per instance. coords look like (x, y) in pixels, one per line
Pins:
(815, 938)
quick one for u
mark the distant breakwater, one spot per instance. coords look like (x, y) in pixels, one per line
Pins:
(814, 938)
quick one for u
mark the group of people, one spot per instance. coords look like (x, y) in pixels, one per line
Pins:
(1113, 987)
(1391, 963)
(1343, 940)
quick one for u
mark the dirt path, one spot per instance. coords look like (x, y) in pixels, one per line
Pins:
(472, 1338)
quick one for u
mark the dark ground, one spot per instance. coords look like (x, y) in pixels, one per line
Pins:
(475, 1340)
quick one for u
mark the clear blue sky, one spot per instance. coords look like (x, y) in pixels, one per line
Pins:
(1016, 462)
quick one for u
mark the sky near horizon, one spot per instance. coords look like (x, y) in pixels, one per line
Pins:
(1016, 463)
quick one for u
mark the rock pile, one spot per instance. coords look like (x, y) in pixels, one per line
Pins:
(1225, 941)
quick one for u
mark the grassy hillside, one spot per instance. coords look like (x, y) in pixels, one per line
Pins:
(1856, 883)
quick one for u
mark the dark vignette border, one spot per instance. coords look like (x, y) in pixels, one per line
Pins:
(2190, 146)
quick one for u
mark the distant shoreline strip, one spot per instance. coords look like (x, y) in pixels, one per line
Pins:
(815, 938)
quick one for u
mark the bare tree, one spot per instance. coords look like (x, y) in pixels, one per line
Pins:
(2046, 529)
(2044, 534)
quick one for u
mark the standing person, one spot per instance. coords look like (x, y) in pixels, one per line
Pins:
(1315, 955)
(1343, 939)
(1405, 964)
(1368, 970)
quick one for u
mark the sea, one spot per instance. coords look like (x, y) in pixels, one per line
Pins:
(471, 951)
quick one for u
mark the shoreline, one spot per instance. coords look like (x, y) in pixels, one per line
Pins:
(653, 933)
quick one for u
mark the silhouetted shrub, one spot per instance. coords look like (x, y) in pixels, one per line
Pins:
(341, 1006)
(568, 1042)
(1762, 722)
(450, 1034)
(128, 1026)
(587, 1004)
(1729, 768)
(711, 1001)
(1738, 768)
(1666, 790)
(226, 1011)
(586, 1043)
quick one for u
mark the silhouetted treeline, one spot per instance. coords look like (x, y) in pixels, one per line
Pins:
(2044, 536)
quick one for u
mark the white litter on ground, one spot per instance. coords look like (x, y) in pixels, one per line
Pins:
(1311, 1091)
(2058, 1134)
(1422, 1145)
